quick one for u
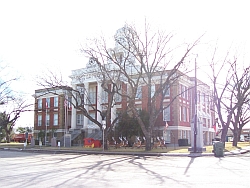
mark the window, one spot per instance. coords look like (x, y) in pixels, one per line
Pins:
(166, 114)
(79, 119)
(138, 92)
(39, 120)
(47, 120)
(118, 98)
(93, 116)
(55, 119)
(54, 134)
(104, 96)
(70, 102)
(80, 99)
(92, 97)
(184, 112)
(167, 91)
(183, 91)
(118, 120)
(55, 101)
(47, 102)
(167, 136)
(39, 103)
(184, 135)
(152, 90)
(180, 135)
(180, 113)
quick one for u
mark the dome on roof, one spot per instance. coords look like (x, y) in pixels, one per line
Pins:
(123, 35)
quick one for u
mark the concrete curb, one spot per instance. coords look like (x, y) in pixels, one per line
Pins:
(60, 151)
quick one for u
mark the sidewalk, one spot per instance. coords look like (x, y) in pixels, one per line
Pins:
(54, 150)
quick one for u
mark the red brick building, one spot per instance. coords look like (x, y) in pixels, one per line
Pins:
(178, 116)
(49, 116)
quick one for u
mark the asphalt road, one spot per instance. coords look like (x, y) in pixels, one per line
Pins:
(23, 169)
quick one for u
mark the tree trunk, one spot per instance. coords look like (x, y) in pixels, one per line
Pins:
(224, 131)
(105, 140)
(148, 142)
(239, 132)
(8, 138)
(7, 132)
(235, 139)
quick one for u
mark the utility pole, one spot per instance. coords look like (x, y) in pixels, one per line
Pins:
(46, 122)
(66, 118)
(103, 131)
(197, 144)
(195, 110)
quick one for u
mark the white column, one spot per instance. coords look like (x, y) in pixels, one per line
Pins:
(86, 91)
(99, 101)
(73, 115)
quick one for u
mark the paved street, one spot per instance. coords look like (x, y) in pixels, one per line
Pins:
(21, 169)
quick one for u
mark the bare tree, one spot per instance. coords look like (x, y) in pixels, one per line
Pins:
(11, 105)
(6, 93)
(244, 117)
(231, 90)
(240, 87)
(140, 60)
(8, 118)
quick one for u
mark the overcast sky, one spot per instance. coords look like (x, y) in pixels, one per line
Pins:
(37, 35)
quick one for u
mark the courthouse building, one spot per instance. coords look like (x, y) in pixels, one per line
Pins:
(174, 123)
(178, 116)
